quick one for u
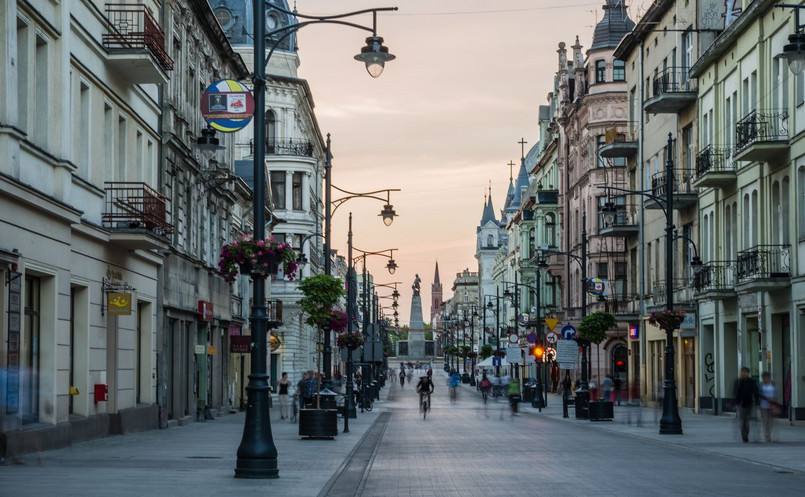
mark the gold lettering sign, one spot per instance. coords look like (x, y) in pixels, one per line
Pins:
(119, 304)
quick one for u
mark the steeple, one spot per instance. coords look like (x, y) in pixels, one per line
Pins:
(522, 180)
(489, 211)
(510, 192)
(436, 302)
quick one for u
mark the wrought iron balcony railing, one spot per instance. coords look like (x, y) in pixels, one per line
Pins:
(712, 159)
(764, 262)
(682, 288)
(672, 80)
(135, 206)
(761, 126)
(715, 276)
(131, 26)
(680, 183)
(298, 147)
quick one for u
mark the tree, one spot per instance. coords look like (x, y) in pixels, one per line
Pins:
(593, 328)
(486, 351)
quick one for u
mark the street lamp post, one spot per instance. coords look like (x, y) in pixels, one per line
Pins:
(670, 422)
(330, 206)
(257, 454)
(582, 394)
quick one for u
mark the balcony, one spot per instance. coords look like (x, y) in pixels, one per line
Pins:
(715, 280)
(623, 306)
(136, 215)
(289, 146)
(672, 91)
(135, 44)
(762, 135)
(548, 197)
(682, 291)
(715, 168)
(617, 145)
(685, 195)
(623, 224)
(764, 268)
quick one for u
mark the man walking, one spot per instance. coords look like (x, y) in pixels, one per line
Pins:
(746, 396)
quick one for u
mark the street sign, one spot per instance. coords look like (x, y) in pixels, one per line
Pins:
(227, 105)
(567, 352)
(568, 332)
(496, 361)
(551, 322)
(550, 353)
(532, 338)
(514, 338)
(596, 287)
(551, 337)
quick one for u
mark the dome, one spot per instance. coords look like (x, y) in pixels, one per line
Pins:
(613, 27)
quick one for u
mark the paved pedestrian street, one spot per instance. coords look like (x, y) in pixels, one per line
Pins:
(463, 449)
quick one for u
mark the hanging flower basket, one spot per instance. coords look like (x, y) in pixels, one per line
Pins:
(349, 341)
(338, 320)
(666, 320)
(499, 353)
(472, 355)
(261, 257)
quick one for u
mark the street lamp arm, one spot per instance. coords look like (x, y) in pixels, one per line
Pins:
(560, 252)
(365, 253)
(350, 195)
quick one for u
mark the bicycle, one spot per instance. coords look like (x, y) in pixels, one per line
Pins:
(453, 394)
(424, 406)
(364, 403)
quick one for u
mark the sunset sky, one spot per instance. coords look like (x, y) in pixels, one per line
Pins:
(442, 121)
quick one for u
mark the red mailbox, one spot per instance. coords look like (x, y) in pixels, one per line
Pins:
(101, 393)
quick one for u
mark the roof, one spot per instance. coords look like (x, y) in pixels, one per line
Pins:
(613, 27)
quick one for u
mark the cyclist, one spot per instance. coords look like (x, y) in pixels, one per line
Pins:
(514, 395)
(453, 381)
(424, 385)
(485, 385)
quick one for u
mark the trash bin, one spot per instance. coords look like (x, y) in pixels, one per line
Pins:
(327, 399)
(582, 404)
(529, 393)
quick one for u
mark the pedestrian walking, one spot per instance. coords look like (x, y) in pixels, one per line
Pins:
(618, 383)
(606, 387)
(746, 396)
(283, 384)
(566, 384)
(514, 395)
(768, 404)
(593, 387)
(402, 376)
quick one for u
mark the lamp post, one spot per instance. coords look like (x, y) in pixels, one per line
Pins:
(330, 206)
(582, 394)
(670, 422)
(257, 454)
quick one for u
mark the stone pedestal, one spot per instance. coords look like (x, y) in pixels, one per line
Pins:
(415, 321)
(416, 344)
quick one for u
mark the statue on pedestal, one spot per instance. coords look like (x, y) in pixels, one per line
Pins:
(415, 286)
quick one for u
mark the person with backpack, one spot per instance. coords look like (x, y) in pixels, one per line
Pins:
(485, 386)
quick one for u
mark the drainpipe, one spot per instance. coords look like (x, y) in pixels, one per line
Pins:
(641, 256)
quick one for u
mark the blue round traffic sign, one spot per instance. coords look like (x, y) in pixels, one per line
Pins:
(532, 338)
(568, 331)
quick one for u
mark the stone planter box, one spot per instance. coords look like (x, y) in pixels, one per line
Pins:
(318, 423)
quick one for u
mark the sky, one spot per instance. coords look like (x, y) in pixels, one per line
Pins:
(441, 123)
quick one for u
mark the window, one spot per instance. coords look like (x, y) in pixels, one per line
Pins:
(687, 56)
(800, 88)
(619, 71)
(801, 201)
(297, 191)
(600, 71)
(83, 136)
(490, 241)
(23, 78)
(278, 189)
(271, 130)
(29, 396)
(603, 270)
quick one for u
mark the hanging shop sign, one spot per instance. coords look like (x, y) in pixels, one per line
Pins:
(118, 304)
(227, 105)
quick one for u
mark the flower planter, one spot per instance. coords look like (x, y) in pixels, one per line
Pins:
(318, 423)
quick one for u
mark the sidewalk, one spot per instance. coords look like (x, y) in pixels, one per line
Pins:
(194, 460)
(707, 433)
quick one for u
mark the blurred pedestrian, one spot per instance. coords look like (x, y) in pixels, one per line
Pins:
(593, 387)
(606, 386)
(566, 384)
(402, 376)
(746, 396)
(283, 384)
(618, 383)
(768, 404)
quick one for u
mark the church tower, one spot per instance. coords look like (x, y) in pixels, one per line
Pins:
(490, 236)
(436, 301)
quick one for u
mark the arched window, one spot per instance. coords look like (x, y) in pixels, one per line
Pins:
(271, 132)
(600, 71)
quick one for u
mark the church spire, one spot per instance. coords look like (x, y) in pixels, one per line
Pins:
(489, 212)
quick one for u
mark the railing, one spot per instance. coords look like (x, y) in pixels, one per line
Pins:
(612, 135)
(715, 276)
(681, 288)
(625, 215)
(132, 26)
(672, 80)
(716, 160)
(550, 197)
(761, 126)
(135, 205)
(764, 261)
(299, 148)
(681, 182)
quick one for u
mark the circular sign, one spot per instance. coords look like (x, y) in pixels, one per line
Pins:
(227, 105)
(551, 337)
(550, 353)
(523, 319)
(514, 338)
(568, 332)
(596, 287)
(532, 338)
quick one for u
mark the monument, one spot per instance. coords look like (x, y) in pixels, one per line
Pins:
(415, 347)
(415, 321)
